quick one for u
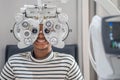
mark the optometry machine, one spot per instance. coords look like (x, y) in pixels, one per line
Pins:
(105, 42)
(55, 23)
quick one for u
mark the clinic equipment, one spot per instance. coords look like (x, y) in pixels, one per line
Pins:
(104, 39)
(55, 23)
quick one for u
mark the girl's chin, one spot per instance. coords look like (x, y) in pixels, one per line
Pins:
(41, 46)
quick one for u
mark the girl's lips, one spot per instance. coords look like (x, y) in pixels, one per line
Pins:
(41, 41)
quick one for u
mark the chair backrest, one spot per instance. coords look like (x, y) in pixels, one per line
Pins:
(68, 49)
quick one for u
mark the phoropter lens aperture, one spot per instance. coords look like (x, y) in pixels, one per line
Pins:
(47, 31)
(34, 30)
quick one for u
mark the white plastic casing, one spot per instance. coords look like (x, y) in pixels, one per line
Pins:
(107, 66)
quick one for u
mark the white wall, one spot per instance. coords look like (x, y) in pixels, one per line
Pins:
(8, 10)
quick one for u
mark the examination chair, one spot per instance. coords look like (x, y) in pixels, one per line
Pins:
(68, 49)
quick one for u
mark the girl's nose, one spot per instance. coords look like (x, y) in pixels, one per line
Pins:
(41, 28)
(41, 35)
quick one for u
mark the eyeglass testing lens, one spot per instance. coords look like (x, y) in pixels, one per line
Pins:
(27, 41)
(57, 27)
(25, 24)
(27, 33)
(48, 23)
(54, 40)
